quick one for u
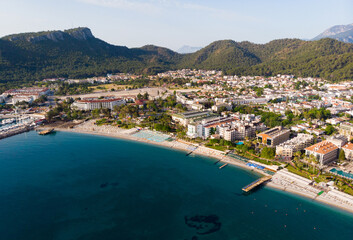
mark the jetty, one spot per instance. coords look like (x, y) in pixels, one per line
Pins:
(256, 183)
(192, 149)
(223, 165)
(15, 131)
(45, 132)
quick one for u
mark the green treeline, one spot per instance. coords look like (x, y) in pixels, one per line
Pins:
(24, 61)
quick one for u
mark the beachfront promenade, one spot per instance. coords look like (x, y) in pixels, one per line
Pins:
(293, 183)
(282, 179)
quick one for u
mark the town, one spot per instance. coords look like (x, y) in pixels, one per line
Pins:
(301, 125)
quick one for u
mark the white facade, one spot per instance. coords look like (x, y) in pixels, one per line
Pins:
(288, 148)
(98, 103)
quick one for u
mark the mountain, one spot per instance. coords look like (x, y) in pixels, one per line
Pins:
(188, 49)
(76, 53)
(343, 33)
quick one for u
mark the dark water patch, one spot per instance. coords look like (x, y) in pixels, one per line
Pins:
(204, 224)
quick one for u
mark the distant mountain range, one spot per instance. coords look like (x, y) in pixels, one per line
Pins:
(76, 53)
(343, 33)
(188, 49)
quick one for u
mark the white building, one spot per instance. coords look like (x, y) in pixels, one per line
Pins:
(186, 117)
(246, 101)
(94, 103)
(348, 151)
(325, 152)
(288, 148)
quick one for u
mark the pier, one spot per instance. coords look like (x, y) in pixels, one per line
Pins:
(192, 150)
(223, 165)
(15, 131)
(256, 183)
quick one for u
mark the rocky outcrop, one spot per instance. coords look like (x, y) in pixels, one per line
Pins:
(56, 36)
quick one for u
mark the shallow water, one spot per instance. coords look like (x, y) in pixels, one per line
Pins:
(75, 186)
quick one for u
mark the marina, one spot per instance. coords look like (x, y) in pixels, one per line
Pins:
(16, 125)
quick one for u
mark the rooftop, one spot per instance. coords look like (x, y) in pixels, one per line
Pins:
(96, 100)
(322, 147)
(273, 132)
(348, 146)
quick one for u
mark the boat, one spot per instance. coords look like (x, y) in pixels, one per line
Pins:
(8, 121)
(45, 132)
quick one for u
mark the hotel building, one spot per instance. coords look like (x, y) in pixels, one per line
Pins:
(274, 136)
(288, 148)
(325, 152)
(94, 103)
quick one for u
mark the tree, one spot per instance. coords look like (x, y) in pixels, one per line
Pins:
(50, 115)
(146, 95)
(268, 153)
(95, 113)
(329, 129)
(342, 155)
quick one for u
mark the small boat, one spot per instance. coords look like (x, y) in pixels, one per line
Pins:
(45, 132)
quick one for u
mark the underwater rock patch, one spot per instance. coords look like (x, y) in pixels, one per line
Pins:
(204, 224)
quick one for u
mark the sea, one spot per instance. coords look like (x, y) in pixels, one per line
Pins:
(67, 186)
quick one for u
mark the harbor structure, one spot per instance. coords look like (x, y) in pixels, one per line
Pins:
(274, 136)
(325, 152)
(95, 103)
(300, 142)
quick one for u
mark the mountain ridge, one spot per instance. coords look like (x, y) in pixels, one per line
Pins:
(342, 33)
(76, 53)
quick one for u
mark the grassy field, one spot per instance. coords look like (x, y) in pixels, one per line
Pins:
(109, 87)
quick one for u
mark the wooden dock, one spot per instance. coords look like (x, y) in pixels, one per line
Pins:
(256, 183)
(223, 165)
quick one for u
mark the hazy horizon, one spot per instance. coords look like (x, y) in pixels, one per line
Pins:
(175, 23)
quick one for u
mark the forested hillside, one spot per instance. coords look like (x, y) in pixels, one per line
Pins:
(76, 53)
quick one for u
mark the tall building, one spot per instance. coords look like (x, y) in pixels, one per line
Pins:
(94, 103)
(288, 148)
(187, 117)
(203, 128)
(239, 130)
(274, 136)
(325, 152)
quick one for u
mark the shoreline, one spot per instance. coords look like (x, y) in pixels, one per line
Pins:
(215, 154)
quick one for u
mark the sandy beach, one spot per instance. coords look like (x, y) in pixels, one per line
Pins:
(281, 180)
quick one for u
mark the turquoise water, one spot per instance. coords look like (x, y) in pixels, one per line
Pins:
(73, 186)
(342, 173)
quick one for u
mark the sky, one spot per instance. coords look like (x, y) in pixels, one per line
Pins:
(174, 23)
